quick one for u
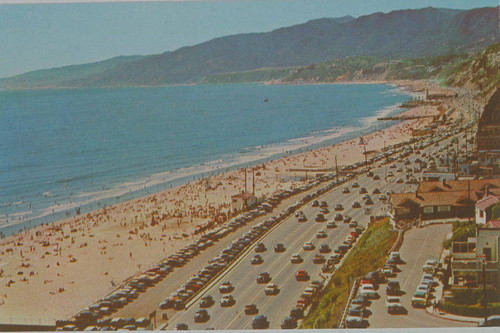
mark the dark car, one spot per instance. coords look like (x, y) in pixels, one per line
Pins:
(376, 191)
(376, 177)
(331, 225)
(227, 301)
(356, 204)
(324, 248)
(260, 322)
(320, 218)
(362, 190)
(368, 202)
(181, 327)
(302, 275)
(297, 313)
(226, 288)
(324, 210)
(260, 248)
(251, 309)
(346, 190)
(279, 248)
(206, 301)
(354, 185)
(318, 259)
(323, 204)
(289, 323)
(339, 207)
(201, 316)
(315, 203)
(302, 218)
(392, 288)
(263, 277)
(347, 219)
(338, 217)
(256, 260)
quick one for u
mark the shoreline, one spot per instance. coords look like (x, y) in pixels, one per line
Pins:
(72, 262)
(166, 180)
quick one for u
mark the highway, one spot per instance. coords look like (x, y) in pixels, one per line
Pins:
(293, 235)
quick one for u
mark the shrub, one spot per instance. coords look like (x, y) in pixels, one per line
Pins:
(470, 311)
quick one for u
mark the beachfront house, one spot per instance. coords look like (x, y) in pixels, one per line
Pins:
(466, 258)
(242, 201)
(484, 208)
(441, 200)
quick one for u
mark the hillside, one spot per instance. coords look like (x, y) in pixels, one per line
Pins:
(58, 77)
(481, 72)
(398, 34)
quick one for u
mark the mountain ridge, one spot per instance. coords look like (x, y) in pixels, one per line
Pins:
(403, 33)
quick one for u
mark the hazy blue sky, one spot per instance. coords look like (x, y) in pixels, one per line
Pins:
(36, 36)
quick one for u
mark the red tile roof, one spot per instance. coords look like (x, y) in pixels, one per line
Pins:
(493, 224)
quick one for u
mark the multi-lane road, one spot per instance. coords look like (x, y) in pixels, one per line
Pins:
(293, 235)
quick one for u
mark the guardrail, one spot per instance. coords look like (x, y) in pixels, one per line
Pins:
(351, 295)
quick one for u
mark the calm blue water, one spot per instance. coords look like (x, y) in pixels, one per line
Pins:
(62, 149)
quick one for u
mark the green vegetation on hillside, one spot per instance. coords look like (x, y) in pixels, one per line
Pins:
(461, 232)
(368, 255)
(258, 75)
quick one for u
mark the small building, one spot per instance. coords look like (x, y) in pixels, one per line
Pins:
(434, 200)
(242, 201)
(468, 258)
(484, 208)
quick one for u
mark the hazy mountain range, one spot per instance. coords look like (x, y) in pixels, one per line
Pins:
(398, 34)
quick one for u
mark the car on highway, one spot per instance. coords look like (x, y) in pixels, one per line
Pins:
(288, 323)
(376, 177)
(361, 300)
(256, 260)
(346, 190)
(302, 218)
(251, 309)
(296, 259)
(324, 210)
(271, 289)
(318, 259)
(323, 204)
(399, 181)
(419, 299)
(260, 247)
(308, 246)
(339, 207)
(263, 277)
(356, 204)
(491, 321)
(321, 234)
(355, 185)
(353, 224)
(315, 203)
(331, 225)
(363, 190)
(324, 248)
(227, 301)
(181, 327)
(226, 288)
(320, 218)
(338, 217)
(393, 305)
(279, 248)
(260, 322)
(368, 202)
(201, 316)
(347, 218)
(376, 191)
(206, 301)
(302, 275)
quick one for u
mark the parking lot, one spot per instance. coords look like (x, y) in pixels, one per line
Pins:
(418, 245)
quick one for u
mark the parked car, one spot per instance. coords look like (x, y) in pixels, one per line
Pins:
(324, 248)
(321, 234)
(338, 217)
(392, 288)
(206, 301)
(309, 246)
(226, 288)
(256, 260)
(318, 259)
(320, 218)
(393, 305)
(419, 299)
(263, 277)
(356, 204)
(260, 247)
(288, 323)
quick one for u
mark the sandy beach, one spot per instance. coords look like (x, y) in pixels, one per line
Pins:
(53, 271)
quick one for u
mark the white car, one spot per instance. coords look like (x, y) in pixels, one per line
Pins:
(271, 289)
(393, 305)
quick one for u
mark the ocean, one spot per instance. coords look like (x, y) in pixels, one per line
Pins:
(81, 149)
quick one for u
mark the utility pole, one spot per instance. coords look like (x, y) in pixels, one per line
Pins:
(336, 169)
(482, 260)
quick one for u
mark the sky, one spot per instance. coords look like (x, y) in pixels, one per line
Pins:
(39, 35)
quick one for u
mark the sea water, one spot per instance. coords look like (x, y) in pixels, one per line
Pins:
(81, 149)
